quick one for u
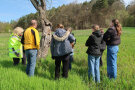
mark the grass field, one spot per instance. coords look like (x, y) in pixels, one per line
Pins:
(15, 78)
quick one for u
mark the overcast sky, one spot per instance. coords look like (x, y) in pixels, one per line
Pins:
(14, 9)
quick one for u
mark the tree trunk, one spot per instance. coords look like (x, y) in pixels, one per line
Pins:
(40, 6)
(46, 35)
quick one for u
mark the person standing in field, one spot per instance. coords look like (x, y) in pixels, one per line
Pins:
(112, 39)
(61, 50)
(93, 43)
(102, 47)
(71, 58)
(31, 42)
(15, 46)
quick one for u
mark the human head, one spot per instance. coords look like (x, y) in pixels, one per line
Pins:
(69, 29)
(95, 27)
(33, 23)
(115, 22)
(102, 30)
(117, 25)
(60, 26)
(18, 31)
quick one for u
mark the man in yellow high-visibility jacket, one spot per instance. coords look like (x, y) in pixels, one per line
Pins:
(31, 42)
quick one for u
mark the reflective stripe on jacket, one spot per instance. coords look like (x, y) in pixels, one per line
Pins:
(15, 42)
(31, 39)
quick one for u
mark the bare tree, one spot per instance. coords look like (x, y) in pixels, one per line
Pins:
(40, 6)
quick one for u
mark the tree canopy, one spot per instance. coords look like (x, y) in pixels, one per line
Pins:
(83, 15)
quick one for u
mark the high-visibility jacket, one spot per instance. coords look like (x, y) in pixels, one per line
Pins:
(15, 42)
(31, 39)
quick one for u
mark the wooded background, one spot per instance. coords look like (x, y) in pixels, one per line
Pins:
(81, 16)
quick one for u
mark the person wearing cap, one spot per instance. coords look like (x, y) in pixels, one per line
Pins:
(15, 46)
(31, 42)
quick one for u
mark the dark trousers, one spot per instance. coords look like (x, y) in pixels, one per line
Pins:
(101, 62)
(17, 60)
(65, 62)
(24, 58)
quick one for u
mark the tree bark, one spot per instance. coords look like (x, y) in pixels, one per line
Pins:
(46, 35)
(40, 6)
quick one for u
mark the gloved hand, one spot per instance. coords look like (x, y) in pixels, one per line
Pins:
(17, 54)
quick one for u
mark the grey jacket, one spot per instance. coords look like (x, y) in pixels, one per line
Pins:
(61, 48)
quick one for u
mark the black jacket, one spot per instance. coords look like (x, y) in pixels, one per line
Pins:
(94, 43)
(103, 44)
(111, 37)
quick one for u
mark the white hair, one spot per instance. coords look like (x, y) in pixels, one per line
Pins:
(18, 30)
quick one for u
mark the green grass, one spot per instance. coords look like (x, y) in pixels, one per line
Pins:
(15, 78)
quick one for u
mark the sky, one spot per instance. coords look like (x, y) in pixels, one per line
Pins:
(14, 9)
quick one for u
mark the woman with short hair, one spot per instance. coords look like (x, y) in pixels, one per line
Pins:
(15, 46)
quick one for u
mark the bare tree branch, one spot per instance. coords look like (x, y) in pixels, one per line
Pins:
(43, 4)
(35, 4)
(49, 4)
(40, 6)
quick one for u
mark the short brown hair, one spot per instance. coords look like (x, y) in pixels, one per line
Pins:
(102, 30)
(95, 27)
(60, 26)
(33, 22)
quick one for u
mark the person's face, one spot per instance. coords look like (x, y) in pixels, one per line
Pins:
(97, 27)
(36, 25)
(34, 22)
(20, 35)
(117, 21)
(111, 24)
(102, 31)
(69, 29)
(93, 30)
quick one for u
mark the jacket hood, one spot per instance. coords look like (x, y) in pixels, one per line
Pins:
(61, 38)
(97, 33)
(60, 32)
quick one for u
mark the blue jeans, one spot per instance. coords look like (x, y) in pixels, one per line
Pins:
(93, 67)
(31, 61)
(70, 62)
(71, 59)
(112, 61)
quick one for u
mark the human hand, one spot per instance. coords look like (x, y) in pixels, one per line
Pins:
(69, 29)
(108, 39)
(17, 54)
